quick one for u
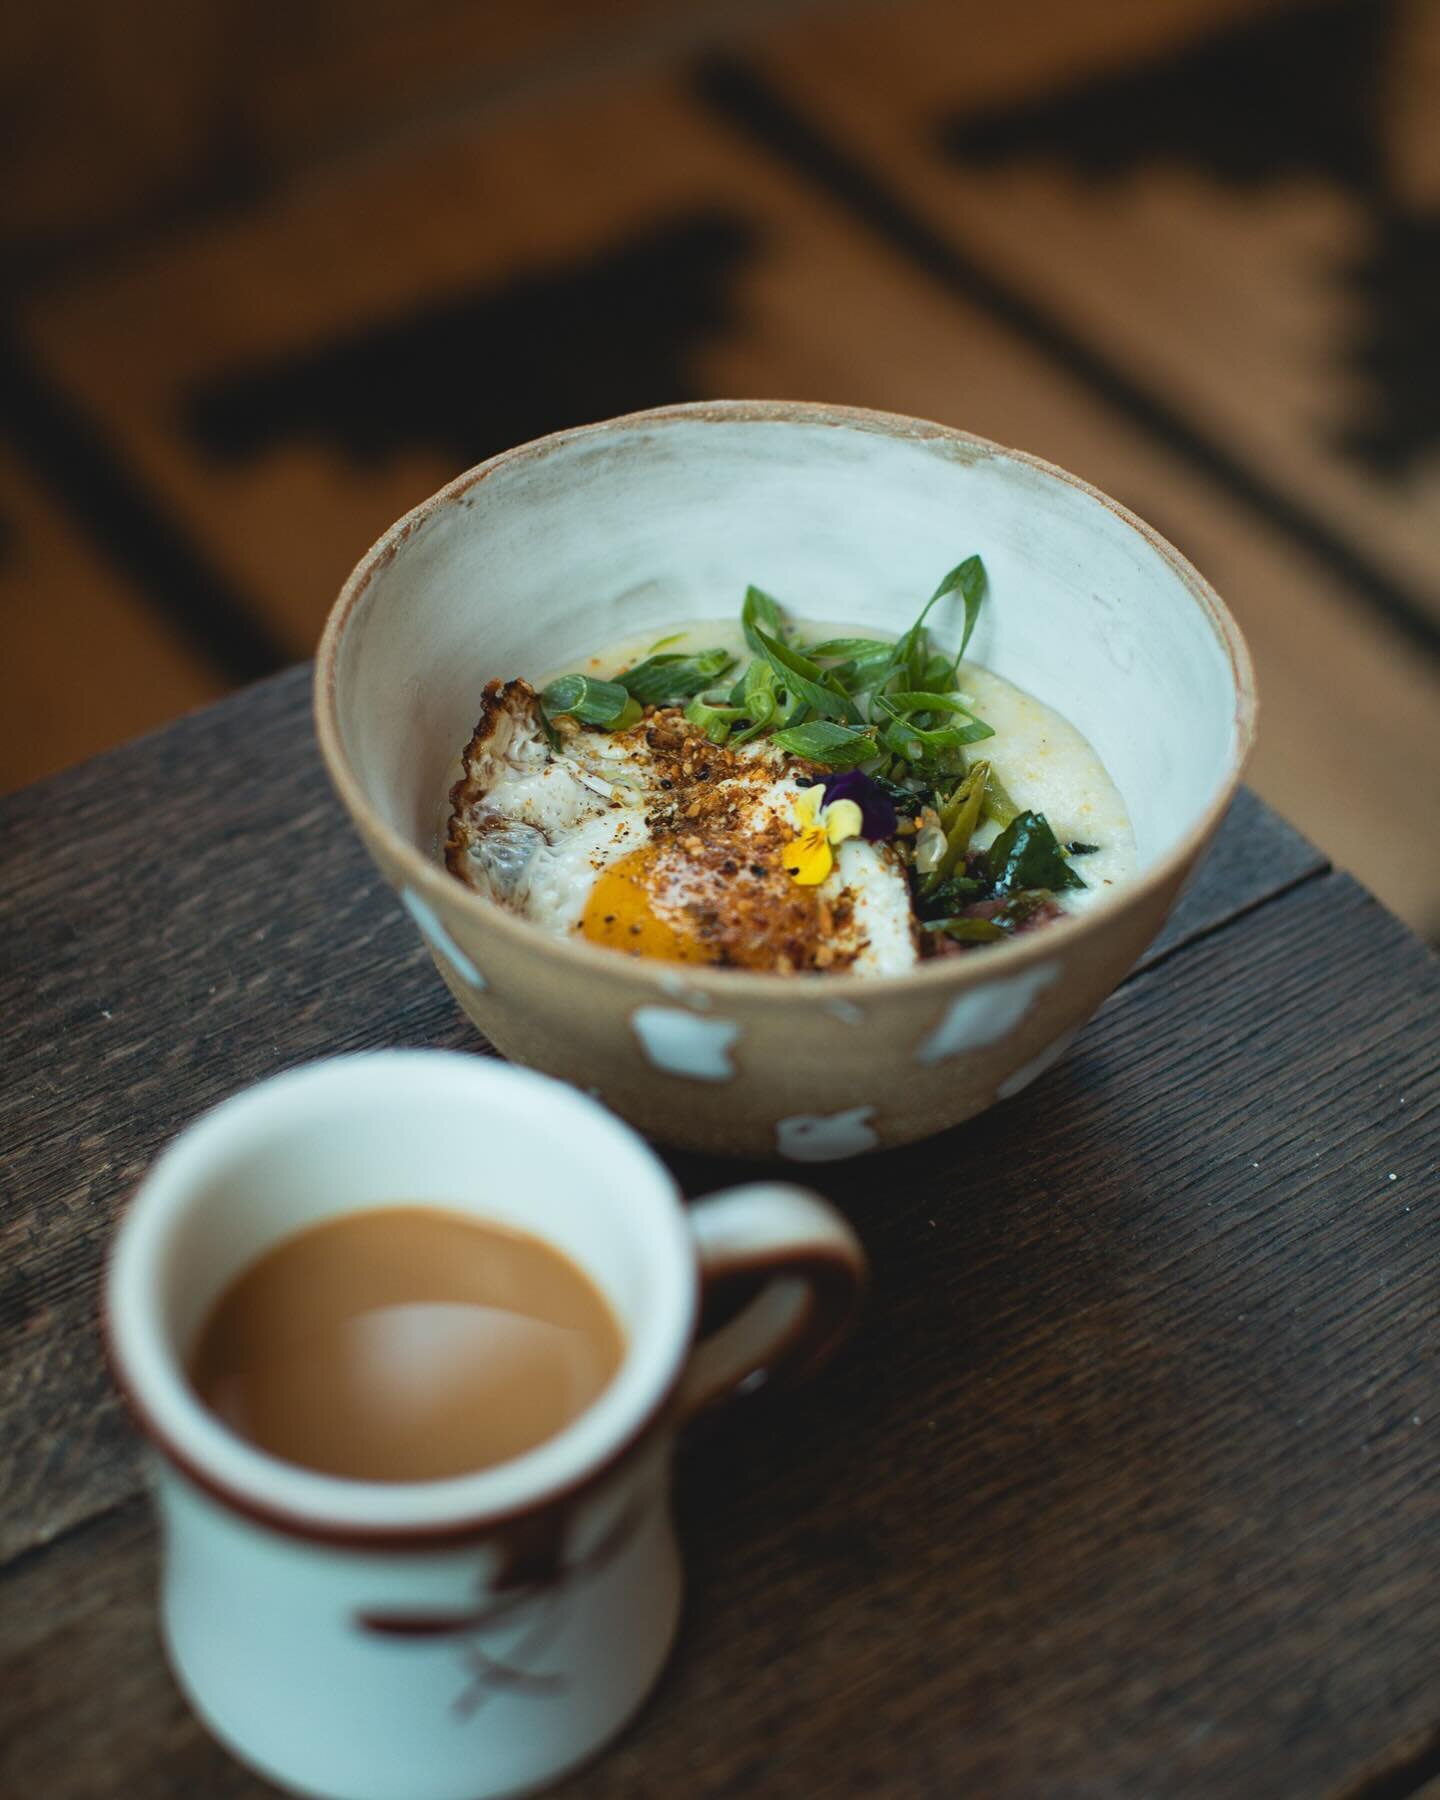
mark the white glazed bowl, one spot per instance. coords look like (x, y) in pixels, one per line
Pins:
(552, 550)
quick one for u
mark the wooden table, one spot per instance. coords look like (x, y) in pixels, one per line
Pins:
(1129, 1484)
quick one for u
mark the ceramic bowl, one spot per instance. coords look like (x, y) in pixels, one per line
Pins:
(559, 547)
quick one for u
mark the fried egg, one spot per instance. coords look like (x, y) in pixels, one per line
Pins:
(657, 843)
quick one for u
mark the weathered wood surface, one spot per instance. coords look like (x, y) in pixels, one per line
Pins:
(1127, 1486)
(185, 916)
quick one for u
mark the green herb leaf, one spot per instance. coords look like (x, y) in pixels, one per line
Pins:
(806, 680)
(821, 741)
(674, 677)
(1027, 854)
(760, 610)
(593, 702)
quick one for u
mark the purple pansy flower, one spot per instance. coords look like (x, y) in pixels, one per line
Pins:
(877, 809)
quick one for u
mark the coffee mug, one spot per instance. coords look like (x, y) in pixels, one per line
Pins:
(475, 1636)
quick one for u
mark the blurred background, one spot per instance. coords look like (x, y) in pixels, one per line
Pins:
(275, 269)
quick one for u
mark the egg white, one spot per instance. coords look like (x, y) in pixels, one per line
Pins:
(552, 820)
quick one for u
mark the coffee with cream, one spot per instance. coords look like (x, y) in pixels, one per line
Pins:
(406, 1343)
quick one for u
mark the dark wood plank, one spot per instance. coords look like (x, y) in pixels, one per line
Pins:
(181, 918)
(1255, 857)
(1125, 1487)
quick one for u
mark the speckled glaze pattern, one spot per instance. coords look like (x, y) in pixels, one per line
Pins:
(546, 551)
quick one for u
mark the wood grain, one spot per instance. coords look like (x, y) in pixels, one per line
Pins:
(1126, 1485)
(185, 916)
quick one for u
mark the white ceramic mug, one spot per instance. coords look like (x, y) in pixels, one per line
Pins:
(476, 1636)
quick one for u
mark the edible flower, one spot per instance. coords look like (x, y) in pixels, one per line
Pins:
(879, 819)
(809, 858)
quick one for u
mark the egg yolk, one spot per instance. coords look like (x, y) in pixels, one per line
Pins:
(622, 913)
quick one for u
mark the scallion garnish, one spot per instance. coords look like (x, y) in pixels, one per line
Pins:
(660, 680)
(888, 720)
(820, 691)
(604, 703)
(822, 741)
(760, 610)
(713, 718)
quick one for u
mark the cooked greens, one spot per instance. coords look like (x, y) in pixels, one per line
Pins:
(1027, 854)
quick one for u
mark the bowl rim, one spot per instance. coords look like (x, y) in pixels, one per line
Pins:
(940, 975)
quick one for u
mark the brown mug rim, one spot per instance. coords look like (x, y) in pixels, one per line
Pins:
(561, 1494)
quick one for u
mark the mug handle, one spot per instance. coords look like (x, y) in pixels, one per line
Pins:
(813, 1277)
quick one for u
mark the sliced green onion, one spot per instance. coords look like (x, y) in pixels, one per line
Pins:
(939, 673)
(909, 701)
(758, 697)
(972, 581)
(759, 610)
(674, 677)
(822, 741)
(593, 702)
(920, 744)
(807, 681)
(714, 719)
(848, 649)
(911, 651)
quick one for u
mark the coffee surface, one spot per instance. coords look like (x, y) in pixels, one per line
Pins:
(405, 1344)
